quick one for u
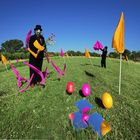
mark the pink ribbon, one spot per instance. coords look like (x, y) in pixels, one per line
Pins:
(58, 69)
(28, 38)
(21, 79)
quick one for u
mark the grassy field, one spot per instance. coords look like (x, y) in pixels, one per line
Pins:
(43, 113)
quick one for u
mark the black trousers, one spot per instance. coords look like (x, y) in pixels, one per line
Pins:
(103, 62)
(38, 64)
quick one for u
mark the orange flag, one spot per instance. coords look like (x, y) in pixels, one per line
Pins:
(118, 38)
(67, 55)
(3, 59)
(87, 55)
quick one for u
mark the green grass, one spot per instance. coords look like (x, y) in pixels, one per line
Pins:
(43, 113)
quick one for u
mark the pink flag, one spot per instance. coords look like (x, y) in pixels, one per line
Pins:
(98, 46)
(62, 53)
(16, 59)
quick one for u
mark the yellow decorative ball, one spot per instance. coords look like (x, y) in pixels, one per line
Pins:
(107, 100)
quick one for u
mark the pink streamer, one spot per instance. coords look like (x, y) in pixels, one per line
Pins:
(28, 38)
(27, 84)
(60, 73)
(20, 79)
(37, 71)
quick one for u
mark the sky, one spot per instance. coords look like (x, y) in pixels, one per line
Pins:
(77, 24)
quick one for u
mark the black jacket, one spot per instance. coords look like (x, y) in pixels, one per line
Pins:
(104, 53)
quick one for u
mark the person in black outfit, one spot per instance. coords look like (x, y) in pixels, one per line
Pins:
(38, 61)
(104, 54)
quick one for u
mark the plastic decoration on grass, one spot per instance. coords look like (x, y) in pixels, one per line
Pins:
(86, 90)
(107, 100)
(56, 68)
(28, 38)
(98, 46)
(82, 119)
(70, 87)
(98, 124)
(83, 105)
(22, 80)
(59, 71)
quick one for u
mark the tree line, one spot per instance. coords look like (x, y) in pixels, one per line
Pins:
(13, 49)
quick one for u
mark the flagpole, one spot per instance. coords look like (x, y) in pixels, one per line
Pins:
(120, 74)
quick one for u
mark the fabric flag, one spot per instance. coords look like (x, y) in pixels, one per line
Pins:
(62, 53)
(118, 38)
(98, 46)
(118, 43)
(87, 55)
(3, 59)
(67, 55)
(17, 60)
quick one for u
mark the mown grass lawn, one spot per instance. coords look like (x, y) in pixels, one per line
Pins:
(43, 113)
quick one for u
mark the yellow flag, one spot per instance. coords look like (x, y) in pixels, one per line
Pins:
(3, 59)
(118, 38)
(87, 55)
(67, 55)
(105, 128)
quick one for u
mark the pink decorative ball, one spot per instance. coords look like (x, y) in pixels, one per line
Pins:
(86, 89)
(85, 118)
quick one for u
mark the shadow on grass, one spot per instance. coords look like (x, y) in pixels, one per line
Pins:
(85, 64)
(2, 93)
(89, 74)
(96, 65)
(68, 93)
(99, 102)
(81, 94)
(57, 79)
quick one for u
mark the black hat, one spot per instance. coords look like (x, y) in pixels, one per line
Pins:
(37, 27)
(106, 47)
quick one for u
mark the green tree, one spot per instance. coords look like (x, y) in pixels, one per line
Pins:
(127, 52)
(12, 46)
(113, 55)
